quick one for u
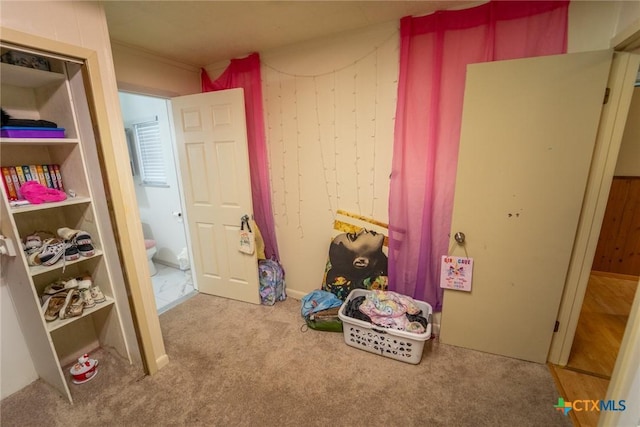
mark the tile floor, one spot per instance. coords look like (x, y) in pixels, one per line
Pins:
(171, 286)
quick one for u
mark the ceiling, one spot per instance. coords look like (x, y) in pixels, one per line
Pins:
(200, 33)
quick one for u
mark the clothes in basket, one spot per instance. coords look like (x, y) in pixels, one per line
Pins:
(403, 345)
(388, 309)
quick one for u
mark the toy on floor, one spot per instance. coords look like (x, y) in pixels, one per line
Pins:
(85, 370)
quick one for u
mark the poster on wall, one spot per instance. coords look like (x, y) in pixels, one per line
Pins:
(357, 255)
(456, 272)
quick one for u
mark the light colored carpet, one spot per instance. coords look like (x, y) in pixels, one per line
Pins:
(237, 364)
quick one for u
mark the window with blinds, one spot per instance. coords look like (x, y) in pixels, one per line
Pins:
(150, 154)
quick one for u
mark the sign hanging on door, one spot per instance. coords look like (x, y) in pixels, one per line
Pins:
(456, 272)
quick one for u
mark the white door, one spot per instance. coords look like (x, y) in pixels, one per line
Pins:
(211, 139)
(528, 133)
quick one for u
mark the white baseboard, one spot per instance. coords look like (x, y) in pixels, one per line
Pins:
(297, 295)
(435, 324)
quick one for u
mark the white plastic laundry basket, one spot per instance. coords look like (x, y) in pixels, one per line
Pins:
(392, 343)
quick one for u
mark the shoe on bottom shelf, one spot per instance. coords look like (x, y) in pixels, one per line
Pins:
(53, 305)
(97, 295)
(87, 299)
(73, 305)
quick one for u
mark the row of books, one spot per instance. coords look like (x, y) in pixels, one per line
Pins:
(14, 176)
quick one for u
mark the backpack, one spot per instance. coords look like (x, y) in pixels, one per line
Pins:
(320, 311)
(272, 285)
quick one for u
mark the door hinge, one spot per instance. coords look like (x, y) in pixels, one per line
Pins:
(556, 326)
(606, 95)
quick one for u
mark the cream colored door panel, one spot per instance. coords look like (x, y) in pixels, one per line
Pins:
(212, 148)
(527, 139)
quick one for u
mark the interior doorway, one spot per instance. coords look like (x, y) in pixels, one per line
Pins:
(616, 265)
(158, 190)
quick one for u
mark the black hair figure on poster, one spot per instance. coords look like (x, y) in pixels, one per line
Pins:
(356, 260)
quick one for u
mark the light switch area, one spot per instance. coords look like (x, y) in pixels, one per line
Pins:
(7, 247)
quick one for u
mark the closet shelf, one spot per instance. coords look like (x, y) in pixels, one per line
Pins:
(52, 205)
(36, 270)
(38, 141)
(60, 323)
(16, 75)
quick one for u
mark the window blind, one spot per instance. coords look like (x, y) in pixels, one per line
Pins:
(150, 153)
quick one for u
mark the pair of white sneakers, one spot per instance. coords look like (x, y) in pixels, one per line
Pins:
(43, 248)
(89, 294)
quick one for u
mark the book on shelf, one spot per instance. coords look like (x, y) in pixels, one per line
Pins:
(27, 173)
(54, 180)
(13, 177)
(34, 173)
(12, 194)
(56, 168)
(40, 172)
(47, 176)
(21, 178)
(16, 182)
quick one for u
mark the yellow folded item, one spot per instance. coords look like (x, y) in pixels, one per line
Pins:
(259, 240)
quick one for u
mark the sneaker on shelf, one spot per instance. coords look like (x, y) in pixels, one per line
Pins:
(33, 242)
(71, 252)
(97, 295)
(33, 257)
(52, 250)
(87, 299)
(80, 239)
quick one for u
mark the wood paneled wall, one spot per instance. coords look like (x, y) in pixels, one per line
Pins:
(618, 249)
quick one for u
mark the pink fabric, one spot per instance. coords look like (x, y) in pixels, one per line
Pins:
(148, 243)
(434, 52)
(245, 73)
(36, 193)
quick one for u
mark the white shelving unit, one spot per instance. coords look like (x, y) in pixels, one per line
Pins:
(59, 96)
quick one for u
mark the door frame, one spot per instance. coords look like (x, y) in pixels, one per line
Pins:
(133, 90)
(626, 372)
(596, 196)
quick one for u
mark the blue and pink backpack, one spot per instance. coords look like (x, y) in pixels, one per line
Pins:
(272, 285)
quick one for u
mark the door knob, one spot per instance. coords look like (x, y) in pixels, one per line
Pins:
(459, 236)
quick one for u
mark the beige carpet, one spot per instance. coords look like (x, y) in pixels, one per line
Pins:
(236, 364)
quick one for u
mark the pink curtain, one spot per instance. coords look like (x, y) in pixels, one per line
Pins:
(245, 73)
(434, 53)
